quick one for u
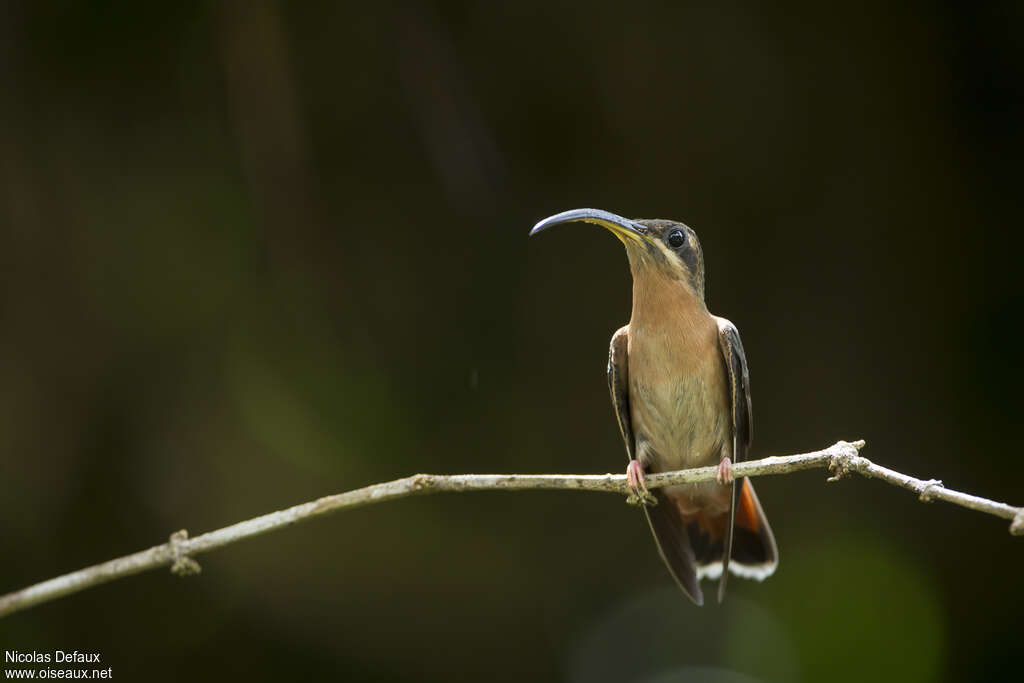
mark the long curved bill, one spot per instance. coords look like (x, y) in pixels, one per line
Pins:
(623, 228)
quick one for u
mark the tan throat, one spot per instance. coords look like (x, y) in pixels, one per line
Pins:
(666, 304)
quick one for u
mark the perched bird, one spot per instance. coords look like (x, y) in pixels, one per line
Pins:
(681, 391)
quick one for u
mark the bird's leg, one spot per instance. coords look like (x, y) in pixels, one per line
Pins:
(725, 472)
(639, 494)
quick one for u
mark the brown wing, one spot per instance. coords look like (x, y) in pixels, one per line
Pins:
(742, 426)
(666, 523)
(618, 386)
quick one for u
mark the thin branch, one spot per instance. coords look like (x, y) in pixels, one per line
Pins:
(841, 458)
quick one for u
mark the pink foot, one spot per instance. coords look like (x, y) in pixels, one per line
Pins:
(725, 472)
(639, 495)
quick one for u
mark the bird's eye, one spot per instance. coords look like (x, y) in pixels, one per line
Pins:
(676, 239)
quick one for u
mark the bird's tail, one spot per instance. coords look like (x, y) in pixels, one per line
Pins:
(754, 555)
(692, 547)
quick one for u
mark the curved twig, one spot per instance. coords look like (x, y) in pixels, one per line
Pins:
(842, 458)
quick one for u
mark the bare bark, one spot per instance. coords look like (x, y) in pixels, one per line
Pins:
(842, 458)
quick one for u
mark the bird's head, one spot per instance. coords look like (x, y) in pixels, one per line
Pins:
(656, 248)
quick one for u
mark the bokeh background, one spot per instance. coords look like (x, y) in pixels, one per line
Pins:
(252, 253)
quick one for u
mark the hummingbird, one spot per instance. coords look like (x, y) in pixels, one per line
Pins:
(680, 388)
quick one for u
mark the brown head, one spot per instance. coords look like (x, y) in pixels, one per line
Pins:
(657, 249)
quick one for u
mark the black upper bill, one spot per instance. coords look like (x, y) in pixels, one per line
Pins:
(622, 227)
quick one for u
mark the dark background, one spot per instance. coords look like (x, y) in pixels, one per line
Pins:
(254, 253)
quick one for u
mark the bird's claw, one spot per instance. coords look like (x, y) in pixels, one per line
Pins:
(724, 476)
(639, 495)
